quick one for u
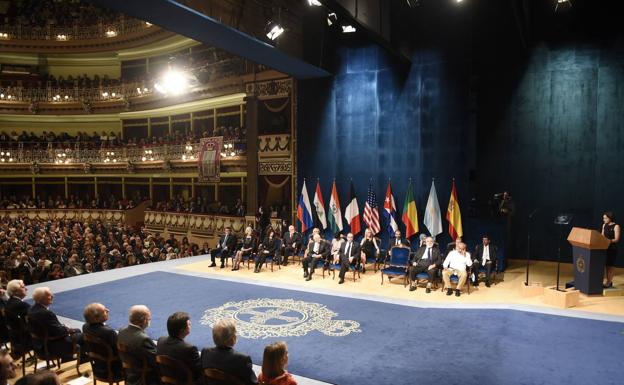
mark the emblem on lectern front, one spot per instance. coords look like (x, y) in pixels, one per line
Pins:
(580, 264)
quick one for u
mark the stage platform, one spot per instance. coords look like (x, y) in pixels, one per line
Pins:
(366, 333)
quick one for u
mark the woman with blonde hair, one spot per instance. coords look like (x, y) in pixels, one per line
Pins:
(274, 364)
(247, 248)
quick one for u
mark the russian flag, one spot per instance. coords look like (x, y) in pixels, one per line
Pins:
(304, 210)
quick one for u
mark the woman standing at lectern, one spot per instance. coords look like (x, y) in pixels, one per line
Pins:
(611, 231)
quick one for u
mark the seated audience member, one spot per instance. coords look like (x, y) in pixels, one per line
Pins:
(225, 248)
(7, 367)
(16, 310)
(349, 256)
(369, 248)
(138, 346)
(41, 321)
(268, 247)
(422, 238)
(453, 245)
(426, 260)
(95, 315)
(456, 262)
(174, 346)
(315, 230)
(42, 377)
(224, 358)
(247, 248)
(73, 267)
(274, 363)
(398, 241)
(485, 256)
(317, 250)
(336, 244)
(291, 244)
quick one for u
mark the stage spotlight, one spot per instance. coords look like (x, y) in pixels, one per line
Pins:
(172, 82)
(314, 3)
(563, 5)
(273, 30)
(348, 29)
(332, 18)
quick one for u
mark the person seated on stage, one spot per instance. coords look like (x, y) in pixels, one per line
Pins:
(292, 242)
(266, 248)
(248, 246)
(42, 321)
(422, 239)
(453, 245)
(16, 310)
(225, 248)
(318, 249)
(224, 358)
(337, 243)
(315, 230)
(174, 346)
(485, 256)
(398, 241)
(426, 260)
(456, 262)
(274, 363)
(138, 346)
(369, 248)
(95, 315)
(349, 256)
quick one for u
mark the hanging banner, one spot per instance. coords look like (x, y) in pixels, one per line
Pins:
(209, 159)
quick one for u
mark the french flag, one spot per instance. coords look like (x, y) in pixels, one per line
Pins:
(304, 210)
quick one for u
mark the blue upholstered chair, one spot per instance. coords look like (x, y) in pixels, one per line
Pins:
(397, 265)
(352, 268)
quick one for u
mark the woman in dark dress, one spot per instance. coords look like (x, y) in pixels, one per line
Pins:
(248, 247)
(611, 231)
(268, 247)
(369, 248)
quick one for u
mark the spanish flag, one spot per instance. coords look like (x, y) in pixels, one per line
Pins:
(410, 214)
(453, 215)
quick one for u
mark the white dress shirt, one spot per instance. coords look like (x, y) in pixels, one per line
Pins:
(456, 261)
(486, 254)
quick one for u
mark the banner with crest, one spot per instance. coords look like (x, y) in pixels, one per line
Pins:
(209, 159)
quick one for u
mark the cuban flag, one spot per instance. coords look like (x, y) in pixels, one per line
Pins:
(390, 212)
(304, 210)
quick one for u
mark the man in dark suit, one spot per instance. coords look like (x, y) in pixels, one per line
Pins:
(95, 316)
(223, 357)
(225, 248)
(174, 346)
(138, 346)
(398, 241)
(291, 243)
(485, 257)
(426, 260)
(16, 310)
(349, 255)
(43, 321)
(317, 249)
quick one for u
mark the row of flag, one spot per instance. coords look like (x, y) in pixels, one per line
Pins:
(432, 219)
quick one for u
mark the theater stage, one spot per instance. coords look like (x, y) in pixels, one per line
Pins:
(366, 333)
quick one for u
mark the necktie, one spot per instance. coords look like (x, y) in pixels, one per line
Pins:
(429, 255)
(224, 241)
(349, 249)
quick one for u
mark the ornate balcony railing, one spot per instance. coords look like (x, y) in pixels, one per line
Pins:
(99, 30)
(76, 154)
(73, 95)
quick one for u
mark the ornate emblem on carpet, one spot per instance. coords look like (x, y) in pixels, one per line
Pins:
(267, 317)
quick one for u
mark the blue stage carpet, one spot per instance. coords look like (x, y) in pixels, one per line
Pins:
(396, 344)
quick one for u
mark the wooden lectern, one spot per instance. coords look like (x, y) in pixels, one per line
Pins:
(588, 250)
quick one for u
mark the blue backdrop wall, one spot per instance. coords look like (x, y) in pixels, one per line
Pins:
(378, 120)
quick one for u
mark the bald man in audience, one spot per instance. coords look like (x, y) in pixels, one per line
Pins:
(41, 320)
(139, 345)
(95, 315)
(223, 356)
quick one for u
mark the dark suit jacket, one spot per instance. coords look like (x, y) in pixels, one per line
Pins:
(392, 242)
(109, 336)
(478, 255)
(230, 361)
(355, 249)
(293, 242)
(180, 350)
(324, 249)
(436, 256)
(270, 245)
(16, 309)
(231, 242)
(42, 320)
(139, 346)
